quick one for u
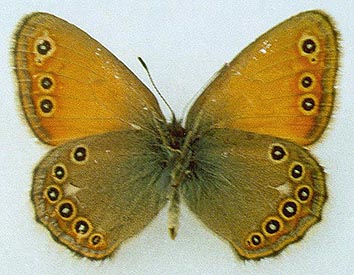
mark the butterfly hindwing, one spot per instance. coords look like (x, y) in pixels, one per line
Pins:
(258, 192)
(96, 192)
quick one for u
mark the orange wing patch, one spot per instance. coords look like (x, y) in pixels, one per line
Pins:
(281, 85)
(72, 87)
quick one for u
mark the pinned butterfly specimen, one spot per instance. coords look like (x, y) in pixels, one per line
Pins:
(238, 161)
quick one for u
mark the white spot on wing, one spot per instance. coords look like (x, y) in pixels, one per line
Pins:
(70, 190)
(225, 154)
(284, 189)
(137, 127)
(266, 46)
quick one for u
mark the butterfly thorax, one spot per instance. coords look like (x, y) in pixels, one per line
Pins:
(180, 162)
(176, 134)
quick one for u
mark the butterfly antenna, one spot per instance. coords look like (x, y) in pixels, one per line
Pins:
(156, 89)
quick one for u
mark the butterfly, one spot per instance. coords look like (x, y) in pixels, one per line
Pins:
(238, 161)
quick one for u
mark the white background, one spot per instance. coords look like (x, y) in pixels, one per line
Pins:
(183, 43)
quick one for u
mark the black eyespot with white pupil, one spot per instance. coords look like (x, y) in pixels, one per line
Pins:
(43, 47)
(80, 154)
(256, 239)
(66, 210)
(278, 152)
(308, 104)
(272, 226)
(46, 106)
(306, 82)
(303, 194)
(53, 194)
(46, 83)
(96, 239)
(296, 171)
(289, 209)
(309, 46)
(81, 227)
(59, 172)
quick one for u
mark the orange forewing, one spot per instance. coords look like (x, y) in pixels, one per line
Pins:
(71, 86)
(268, 87)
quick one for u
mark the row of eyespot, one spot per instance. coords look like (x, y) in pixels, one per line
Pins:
(278, 154)
(44, 49)
(46, 103)
(66, 209)
(288, 208)
(80, 226)
(308, 102)
(309, 48)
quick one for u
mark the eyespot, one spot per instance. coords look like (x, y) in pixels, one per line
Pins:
(44, 47)
(97, 241)
(272, 225)
(289, 208)
(66, 209)
(46, 83)
(278, 152)
(303, 193)
(46, 106)
(53, 193)
(79, 154)
(59, 172)
(309, 47)
(82, 227)
(297, 171)
(308, 104)
(255, 240)
(307, 82)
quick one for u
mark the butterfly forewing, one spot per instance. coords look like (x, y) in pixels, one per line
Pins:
(71, 86)
(281, 85)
